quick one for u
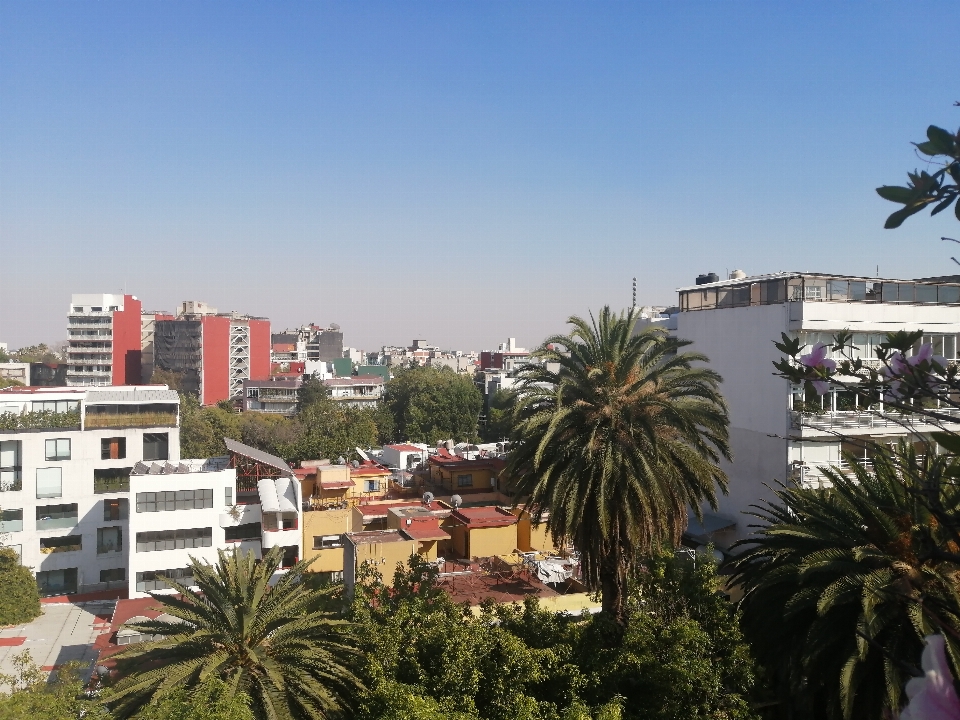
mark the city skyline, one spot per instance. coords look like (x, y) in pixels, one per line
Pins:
(459, 173)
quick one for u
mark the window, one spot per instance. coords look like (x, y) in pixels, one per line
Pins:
(371, 486)
(11, 520)
(838, 290)
(115, 509)
(174, 500)
(174, 539)
(113, 448)
(10, 468)
(78, 308)
(109, 540)
(156, 446)
(57, 582)
(288, 524)
(323, 542)
(58, 449)
(58, 406)
(53, 517)
(113, 575)
(228, 496)
(150, 581)
(465, 480)
(111, 480)
(66, 543)
(96, 309)
(247, 531)
(49, 482)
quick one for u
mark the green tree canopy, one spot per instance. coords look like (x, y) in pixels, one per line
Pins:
(612, 448)
(19, 598)
(35, 696)
(842, 585)
(499, 423)
(430, 404)
(274, 645)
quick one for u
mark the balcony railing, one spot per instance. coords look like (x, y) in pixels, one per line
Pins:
(849, 420)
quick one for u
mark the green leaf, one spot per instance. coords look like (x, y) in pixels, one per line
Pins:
(941, 139)
(927, 148)
(948, 441)
(943, 205)
(896, 219)
(897, 194)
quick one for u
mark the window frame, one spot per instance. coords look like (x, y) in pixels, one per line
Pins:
(58, 445)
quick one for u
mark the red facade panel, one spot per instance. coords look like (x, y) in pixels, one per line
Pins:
(215, 371)
(259, 349)
(125, 364)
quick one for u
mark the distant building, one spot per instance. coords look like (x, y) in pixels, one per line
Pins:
(19, 372)
(359, 390)
(104, 340)
(507, 357)
(309, 342)
(213, 353)
(277, 396)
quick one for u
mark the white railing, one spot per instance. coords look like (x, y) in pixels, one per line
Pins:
(866, 420)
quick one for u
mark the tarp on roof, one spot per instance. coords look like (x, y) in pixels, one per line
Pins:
(258, 455)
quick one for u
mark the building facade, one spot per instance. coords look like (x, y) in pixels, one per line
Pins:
(95, 496)
(213, 353)
(777, 432)
(104, 340)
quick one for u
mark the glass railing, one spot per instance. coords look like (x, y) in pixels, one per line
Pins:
(56, 523)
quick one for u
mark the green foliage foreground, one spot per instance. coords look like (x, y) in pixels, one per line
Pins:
(19, 598)
(680, 657)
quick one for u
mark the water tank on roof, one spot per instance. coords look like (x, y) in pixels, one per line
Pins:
(737, 275)
(707, 278)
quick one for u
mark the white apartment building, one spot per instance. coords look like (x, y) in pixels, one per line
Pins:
(777, 434)
(94, 495)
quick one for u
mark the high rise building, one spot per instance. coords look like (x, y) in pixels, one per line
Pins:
(104, 340)
(212, 352)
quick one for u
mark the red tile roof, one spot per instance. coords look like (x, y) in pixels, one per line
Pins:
(485, 516)
(424, 529)
(335, 484)
(403, 447)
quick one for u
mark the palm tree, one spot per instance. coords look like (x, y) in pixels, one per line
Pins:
(841, 585)
(292, 659)
(615, 436)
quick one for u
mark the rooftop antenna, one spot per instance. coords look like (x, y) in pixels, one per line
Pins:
(634, 292)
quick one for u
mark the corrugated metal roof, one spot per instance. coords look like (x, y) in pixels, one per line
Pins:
(262, 457)
(134, 395)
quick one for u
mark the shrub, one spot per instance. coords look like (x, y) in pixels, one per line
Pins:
(20, 599)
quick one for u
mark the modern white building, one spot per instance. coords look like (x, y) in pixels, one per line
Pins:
(94, 495)
(777, 434)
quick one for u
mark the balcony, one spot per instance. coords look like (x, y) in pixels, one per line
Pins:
(40, 420)
(865, 420)
(286, 538)
(127, 416)
(56, 523)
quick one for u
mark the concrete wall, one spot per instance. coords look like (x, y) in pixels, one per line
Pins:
(385, 556)
(317, 523)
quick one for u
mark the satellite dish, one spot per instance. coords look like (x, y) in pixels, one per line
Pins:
(456, 501)
(334, 326)
(355, 464)
(341, 460)
(427, 498)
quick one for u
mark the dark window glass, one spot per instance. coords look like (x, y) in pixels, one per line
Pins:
(113, 575)
(905, 291)
(174, 539)
(890, 293)
(926, 293)
(156, 446)
(247, 531)
(113, 448)
(858, 290)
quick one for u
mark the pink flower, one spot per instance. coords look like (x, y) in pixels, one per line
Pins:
(925, 353)
(932, 696)
(818, 358)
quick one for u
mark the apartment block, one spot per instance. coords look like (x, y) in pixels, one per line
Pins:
(213, 353)
(779, 433)
(95, 496)
(104, 344)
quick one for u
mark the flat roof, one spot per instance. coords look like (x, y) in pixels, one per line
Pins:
(949, 280)
(424, 529)
(485, 516)
(366, 537)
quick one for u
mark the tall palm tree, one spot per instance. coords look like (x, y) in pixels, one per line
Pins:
(615, 436)
(292, 659)
(841, 585)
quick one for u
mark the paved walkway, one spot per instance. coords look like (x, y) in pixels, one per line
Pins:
(64, 632)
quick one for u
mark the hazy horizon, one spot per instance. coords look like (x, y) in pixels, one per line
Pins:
(460, 172)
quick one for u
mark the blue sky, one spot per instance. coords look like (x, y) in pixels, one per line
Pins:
(456, 171)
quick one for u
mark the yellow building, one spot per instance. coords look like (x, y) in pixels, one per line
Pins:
(532, 537)
(455, 475)
(383, 549)
(481, 532)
